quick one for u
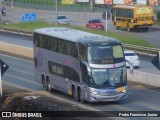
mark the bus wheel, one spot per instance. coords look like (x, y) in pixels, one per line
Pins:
(43, 82)
(145, 29)
(81, 97)
(128, 28)
(117, 28)
(48, 85)
(74, 94)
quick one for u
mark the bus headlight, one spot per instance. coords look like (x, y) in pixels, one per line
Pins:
(93, 91)
(123, 91)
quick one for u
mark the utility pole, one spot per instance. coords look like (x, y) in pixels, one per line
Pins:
(56, 12)
(12, 4)
(91, 2)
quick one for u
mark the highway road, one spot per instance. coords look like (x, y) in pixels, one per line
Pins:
(140, 97)
(79, 18)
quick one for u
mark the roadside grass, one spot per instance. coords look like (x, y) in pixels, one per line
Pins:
(157, 23)
(127, 39)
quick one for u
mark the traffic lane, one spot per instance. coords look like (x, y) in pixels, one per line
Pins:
(152, 36)
(146, 65)
(22, 40)
(145, 57)
(20, 72)
(140, 98)
(77, 18)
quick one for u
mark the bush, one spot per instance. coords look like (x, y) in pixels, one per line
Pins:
(158, 16)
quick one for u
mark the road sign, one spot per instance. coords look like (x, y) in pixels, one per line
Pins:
(3, 68)
(29, 17)
(156, 61)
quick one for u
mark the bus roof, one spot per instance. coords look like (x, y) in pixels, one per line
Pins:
(75, 35)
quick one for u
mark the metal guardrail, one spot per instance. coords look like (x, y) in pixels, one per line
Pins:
(140, 49)
(16, 30)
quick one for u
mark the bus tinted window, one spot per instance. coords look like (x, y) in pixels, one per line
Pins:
(48, 43)
(104, 54)
(68, 48)
(82, 51)
(59, 49)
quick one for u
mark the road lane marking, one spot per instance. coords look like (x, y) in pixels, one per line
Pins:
(16, 58)
(21, 79)
(14, 85)
(152, 91)
(25, 72)
(155, 108)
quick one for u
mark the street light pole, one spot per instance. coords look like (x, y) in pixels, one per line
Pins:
(56, 12)
(12, 4)
(91, 6)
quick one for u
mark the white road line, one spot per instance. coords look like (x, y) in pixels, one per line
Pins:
(154, 108)
(152, 91)
(16, 58)
(17, 64)
(14, 85)
(17, 70)
(21, 79)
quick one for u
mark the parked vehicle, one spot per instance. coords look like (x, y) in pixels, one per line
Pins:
(62, 19)
(132, 57)
(95, 23)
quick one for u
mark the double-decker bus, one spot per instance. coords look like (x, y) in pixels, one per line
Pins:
(87, 66)
(132, 17)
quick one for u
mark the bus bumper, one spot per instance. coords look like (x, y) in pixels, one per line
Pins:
(100, 98)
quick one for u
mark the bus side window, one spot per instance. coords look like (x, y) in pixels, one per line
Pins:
(59, 49)
(75, 53)
(82, 51)
(84, 73)
(74, 50)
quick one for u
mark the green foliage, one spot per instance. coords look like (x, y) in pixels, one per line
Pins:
(158, 16)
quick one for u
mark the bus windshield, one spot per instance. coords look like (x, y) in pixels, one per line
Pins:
(108, 78)
(104, 54)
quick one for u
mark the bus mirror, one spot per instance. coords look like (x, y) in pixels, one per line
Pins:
(130, 66)
(88, 67)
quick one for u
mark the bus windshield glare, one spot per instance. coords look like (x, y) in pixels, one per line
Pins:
(108, 78)
(105, 54)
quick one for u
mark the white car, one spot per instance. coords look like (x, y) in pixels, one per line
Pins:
(131, 57)
(62, 19)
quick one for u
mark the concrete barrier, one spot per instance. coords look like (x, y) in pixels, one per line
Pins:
(138, 76)
(144, 78)
(16, 49)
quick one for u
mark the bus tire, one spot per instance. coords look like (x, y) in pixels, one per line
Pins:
(81, 97)
(117, 28)
(48, 84)
(74, 94)
(128, 28)
(43, 82)
(145, 29)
